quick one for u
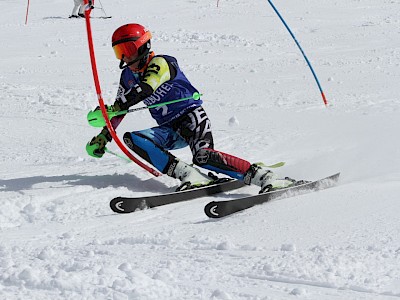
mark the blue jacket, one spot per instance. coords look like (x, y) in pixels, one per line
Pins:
(173, 89)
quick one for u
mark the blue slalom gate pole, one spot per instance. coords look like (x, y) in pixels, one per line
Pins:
(302, 52)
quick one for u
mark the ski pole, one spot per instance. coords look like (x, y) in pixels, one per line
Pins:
(117, 155)
(195, 96)
(102, 8)
(302, 52)
(95, 118)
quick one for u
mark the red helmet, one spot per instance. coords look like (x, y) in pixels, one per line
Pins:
(131, 41)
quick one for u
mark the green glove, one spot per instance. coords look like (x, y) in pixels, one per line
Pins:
(96, 147)
(95, 117)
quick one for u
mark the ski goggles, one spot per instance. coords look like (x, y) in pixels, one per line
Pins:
(129, 47)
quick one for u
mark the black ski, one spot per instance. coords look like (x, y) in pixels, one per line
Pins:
(219, 209)
(127, 205)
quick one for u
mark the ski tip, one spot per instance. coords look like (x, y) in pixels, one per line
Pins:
(276, 165)
(123, 205)
(211, 210)
(117, 205)
(334, 177)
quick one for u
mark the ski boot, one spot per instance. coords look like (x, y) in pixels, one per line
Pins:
(266, 179)
(190, 176)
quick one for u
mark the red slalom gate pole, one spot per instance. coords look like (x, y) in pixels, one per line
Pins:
(100, 97)
(27, 11)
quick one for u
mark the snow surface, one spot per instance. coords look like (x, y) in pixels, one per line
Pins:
(60, 240)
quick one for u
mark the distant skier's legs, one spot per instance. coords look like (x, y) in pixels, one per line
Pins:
(77, 6)
(82, 9)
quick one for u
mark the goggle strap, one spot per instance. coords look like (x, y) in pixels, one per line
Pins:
(124, 41)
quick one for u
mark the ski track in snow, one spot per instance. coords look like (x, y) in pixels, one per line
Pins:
(60, 240)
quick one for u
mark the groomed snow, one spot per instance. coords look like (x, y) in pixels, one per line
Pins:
(60, 240)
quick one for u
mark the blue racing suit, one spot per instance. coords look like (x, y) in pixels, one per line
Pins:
(180, 124)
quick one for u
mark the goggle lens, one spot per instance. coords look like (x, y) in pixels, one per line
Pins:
(130, 48)
(127, 49)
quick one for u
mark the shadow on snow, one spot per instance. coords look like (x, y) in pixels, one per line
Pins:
(128, 181)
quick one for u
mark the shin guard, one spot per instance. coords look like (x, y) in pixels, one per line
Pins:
(221, 162)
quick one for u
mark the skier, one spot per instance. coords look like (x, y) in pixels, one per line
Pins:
(78, 10)
(154, 79)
